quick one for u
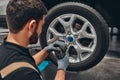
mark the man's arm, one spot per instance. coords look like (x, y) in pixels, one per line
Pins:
(40, 56)
(62, 65)
(60, 75)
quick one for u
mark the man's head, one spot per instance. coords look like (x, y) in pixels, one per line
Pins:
(26, 13)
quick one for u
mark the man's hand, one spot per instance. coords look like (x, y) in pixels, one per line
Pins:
(63, 63)
(53, 46)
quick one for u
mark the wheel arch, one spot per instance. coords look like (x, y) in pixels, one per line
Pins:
(92, 3)
(53, 3)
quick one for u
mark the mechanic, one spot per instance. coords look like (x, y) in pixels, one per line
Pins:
(25, 19)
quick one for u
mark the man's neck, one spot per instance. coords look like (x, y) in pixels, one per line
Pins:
(17, 39)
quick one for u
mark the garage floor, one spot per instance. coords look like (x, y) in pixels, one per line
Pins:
(107, 69)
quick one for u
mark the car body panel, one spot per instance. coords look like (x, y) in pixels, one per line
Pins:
(109, 9)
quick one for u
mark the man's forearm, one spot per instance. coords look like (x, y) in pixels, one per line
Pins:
(40, 56)
(60, 75)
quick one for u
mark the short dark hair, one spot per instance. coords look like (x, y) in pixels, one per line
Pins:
(19, 12)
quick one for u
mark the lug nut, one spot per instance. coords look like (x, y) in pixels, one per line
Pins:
(76, 36)
(69, 33)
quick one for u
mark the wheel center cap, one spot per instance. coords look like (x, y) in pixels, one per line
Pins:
(70, 38)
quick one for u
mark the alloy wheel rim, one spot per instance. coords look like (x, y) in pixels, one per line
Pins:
(77, 31)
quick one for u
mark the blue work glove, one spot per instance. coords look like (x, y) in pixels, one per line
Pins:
(54, 46)
(64, 62)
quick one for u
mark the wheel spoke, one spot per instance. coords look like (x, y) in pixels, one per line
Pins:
(56, 33)
(78, 50)
(64, 24)
(71, 22)
(84, 49)
(72, 19)
(87, 35)
(51, 40)
(82, 31)
(84, 27)
(84, 34)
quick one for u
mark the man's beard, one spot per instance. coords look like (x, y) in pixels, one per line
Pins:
(34, 38)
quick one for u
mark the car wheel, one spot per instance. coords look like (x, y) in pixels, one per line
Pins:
(83, 28)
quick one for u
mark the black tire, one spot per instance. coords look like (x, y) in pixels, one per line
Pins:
(94, 18)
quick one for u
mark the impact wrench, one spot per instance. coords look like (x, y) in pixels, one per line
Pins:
(60, 54)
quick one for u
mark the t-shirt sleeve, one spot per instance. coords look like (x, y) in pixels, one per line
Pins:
(24, 74)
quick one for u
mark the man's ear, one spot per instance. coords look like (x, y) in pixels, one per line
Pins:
(32, 26)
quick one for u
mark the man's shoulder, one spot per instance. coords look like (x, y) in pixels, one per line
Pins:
(5, 56)
(4, 49)
(8, 56)
(6, 53)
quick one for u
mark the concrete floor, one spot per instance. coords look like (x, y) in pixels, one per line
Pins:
(107, 69)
